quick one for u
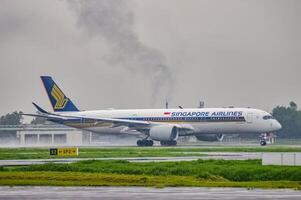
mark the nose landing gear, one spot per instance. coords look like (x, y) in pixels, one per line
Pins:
(263, 142)
(263, 139)
(267, 138)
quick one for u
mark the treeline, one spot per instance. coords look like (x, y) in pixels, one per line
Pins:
(14, 118)
(290, 119)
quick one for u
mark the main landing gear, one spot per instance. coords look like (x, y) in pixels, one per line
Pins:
(149, 143)
(145, 143)
(168, 143)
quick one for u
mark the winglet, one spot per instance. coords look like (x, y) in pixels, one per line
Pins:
(41, 110)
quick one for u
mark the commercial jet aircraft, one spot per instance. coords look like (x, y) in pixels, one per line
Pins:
(164, 125)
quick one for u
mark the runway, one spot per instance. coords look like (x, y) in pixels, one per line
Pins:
(203, 155)
(176, 193)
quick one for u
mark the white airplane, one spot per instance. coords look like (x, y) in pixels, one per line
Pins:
(164, 125)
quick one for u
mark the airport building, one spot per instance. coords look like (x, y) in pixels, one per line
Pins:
(57, 135)
(43, 135)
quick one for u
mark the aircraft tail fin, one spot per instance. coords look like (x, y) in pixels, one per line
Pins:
(59, 101)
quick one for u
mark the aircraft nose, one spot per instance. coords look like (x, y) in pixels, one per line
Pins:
(277, 125)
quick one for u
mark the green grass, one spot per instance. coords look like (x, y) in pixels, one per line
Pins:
(43, 153)
(211, 173)
(99, 179)
(247, 170)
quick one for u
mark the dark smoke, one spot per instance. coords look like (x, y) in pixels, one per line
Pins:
(113, 21)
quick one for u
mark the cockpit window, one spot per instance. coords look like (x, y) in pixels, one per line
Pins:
(266, 117)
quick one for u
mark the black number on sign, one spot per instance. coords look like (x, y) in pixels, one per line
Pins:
(53, 151)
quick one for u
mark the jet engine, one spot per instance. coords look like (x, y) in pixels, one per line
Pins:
(210, 137)
(164, 133)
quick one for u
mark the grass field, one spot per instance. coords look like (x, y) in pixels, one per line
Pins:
(92, 179)
(215, 173)
(115, 152)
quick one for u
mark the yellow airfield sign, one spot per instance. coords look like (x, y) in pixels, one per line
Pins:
(67, 151)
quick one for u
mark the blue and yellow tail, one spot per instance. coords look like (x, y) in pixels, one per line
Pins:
(58, 100)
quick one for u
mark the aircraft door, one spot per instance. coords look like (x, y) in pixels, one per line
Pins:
(249, 117)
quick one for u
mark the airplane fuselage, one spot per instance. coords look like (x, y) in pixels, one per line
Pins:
(200, 120)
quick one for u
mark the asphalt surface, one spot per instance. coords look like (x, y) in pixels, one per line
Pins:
(206, 155)
(132, 193)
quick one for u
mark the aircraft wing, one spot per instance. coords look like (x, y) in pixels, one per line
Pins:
(115, 122)
(136, 124)
(131, 124)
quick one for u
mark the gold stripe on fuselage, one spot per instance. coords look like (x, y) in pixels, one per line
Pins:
(88, 124)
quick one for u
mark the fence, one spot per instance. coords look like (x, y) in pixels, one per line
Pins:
(286, 159)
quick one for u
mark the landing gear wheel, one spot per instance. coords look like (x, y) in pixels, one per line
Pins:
(150, 143)
(145, 143)
(263, 143)
(168, 143)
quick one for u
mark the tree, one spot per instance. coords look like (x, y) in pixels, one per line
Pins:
(290, 119)
(14, 118)
(38, 120)
(293, 105)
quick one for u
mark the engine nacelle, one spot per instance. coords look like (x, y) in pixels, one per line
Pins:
(210, 137)
(164, 133)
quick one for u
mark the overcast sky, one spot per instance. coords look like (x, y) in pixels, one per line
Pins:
(136, 54)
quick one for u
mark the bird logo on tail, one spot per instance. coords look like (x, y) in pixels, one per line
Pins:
(58, 95)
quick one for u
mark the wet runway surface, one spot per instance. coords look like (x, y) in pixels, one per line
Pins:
(203, 155)
(132, 193)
